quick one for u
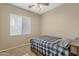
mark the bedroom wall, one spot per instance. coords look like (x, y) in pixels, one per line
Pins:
(62, 21)
(7, 41)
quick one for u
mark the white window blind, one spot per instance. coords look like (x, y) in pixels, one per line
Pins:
(19, 25)
(26, 25)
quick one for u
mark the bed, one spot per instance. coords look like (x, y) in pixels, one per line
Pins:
(50, 45)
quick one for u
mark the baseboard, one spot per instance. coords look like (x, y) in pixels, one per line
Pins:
(12, 48)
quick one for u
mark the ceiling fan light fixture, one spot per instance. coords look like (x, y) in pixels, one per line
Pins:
(39, 5)
(43, 6)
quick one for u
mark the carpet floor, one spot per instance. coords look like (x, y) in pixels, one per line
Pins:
(19, 51)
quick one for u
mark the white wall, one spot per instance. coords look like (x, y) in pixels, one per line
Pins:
(7, 41)
(62, 21)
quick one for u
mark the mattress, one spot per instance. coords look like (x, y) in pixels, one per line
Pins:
(49, 46)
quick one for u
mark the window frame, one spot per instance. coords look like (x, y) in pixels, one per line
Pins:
(21, 28)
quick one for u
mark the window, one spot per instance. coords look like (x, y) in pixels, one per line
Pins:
(26, 26)
(19, 25)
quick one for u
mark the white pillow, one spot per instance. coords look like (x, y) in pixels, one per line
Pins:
(64, 43)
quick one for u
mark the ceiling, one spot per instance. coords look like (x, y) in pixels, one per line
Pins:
(38, 11)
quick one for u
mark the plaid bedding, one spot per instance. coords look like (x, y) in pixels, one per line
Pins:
(48, 46)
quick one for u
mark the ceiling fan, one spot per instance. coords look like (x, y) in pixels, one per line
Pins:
(38, 5)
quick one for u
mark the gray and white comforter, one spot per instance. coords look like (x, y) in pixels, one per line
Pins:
(50, 46)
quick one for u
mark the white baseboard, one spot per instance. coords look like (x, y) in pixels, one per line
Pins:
(12, 48)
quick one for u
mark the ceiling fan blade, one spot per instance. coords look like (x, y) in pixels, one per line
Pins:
(45, 4)
(30, 6)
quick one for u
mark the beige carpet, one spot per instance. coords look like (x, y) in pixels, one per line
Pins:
(19, 51)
